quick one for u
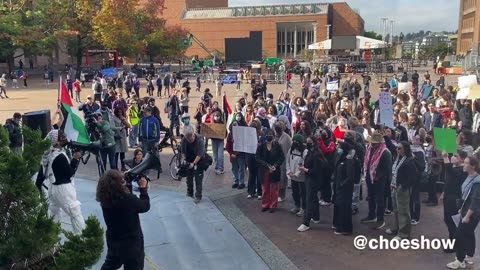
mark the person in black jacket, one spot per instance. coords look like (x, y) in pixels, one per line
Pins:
(120, 210)
(15, 133)
(466, 115)
(270, 157)
(403, 172)
(314, 167)
(452, 190)
(347, 172)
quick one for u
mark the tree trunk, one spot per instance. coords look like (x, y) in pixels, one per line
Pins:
(79, 56)
(11, 62)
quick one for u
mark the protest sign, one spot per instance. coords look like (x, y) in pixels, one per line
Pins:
(386, 109)
(214, 131)
(332, 86)
(463, 93)
(445, 140)
(405, 87)
(245, 139)
(427, 90)
(467, 81)
(474, 92)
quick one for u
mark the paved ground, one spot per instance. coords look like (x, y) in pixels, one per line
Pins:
(227, 231)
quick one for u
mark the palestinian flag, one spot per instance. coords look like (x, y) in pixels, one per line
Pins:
(73, 125)
(227, 111)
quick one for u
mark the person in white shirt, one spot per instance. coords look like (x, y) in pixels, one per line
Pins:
(3, 86)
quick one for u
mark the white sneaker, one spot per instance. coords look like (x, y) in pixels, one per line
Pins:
(324, 203)
(315, 221)
(414, 222)
(302, 228)
(300, 213)
(259, 197)
(457, 265)
(469, 260)
(249, 196)
(280, 199)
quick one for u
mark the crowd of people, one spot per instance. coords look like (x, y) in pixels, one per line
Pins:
(326, 147)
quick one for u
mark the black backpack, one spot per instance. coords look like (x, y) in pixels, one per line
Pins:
(98, 88)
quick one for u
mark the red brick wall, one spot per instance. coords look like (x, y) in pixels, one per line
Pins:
(345, 21)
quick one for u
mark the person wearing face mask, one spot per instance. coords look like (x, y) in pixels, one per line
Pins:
(218, 146)
(314, 167)
(452, 190)
(420, 162)
(285, 143)
(59, 169)
(238, 159)
(347, 173)
(295, 158)
(269, 158)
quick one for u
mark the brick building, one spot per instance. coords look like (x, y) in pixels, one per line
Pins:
(468, 27)
(284, 30)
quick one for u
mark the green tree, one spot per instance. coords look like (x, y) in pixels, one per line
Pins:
(372, 34)
(26, 230)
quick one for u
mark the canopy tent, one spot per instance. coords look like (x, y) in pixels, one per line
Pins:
(363, 43)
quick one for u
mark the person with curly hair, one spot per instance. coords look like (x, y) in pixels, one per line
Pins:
(120, 211)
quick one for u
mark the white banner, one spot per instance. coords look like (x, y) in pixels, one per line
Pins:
(332, 86)
(463, 93)
(386, 109)
(245, 139)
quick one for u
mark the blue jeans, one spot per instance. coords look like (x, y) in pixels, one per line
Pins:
(218, 148)
(238, 168)
(356, 196)
(133, 136)
(110, 153)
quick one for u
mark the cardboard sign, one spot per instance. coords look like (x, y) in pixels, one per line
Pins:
(474, 92)
(445, 140)
(245, 139)
(386, 109)
(463, 93)
(214, 131)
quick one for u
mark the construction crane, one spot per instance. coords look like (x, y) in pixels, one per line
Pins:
(187, 43)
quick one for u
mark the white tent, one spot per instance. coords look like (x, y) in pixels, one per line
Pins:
(363, 43)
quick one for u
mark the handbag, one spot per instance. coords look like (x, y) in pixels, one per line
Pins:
(205, 162)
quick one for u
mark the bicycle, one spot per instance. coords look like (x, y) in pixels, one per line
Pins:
(175, 161)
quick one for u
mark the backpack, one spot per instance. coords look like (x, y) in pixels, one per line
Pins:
(98, 88)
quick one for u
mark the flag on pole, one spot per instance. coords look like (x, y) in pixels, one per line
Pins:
(228, 112)
(74, 128)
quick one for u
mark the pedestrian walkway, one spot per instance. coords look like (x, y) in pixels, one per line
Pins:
(180, 234)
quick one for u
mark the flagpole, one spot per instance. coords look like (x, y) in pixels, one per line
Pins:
(58, 90)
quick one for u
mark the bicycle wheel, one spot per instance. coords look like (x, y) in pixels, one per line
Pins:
(174, 166)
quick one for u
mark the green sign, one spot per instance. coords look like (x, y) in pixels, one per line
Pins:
(445, 140)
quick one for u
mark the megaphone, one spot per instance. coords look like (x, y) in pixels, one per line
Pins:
(150, 162)
(93, 147)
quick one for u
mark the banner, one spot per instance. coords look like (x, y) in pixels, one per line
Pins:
(214, 131)
(445, 140)
(463, 93)
(332, 86)
(245, 139)
(405, 87)
(386, 109)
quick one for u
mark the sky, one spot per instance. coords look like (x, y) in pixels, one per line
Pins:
(409, 15)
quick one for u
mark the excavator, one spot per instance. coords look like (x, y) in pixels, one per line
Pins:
(197, 64)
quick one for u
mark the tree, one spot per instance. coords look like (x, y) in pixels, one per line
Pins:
(23, 26)
(26, 230)
(372, 34)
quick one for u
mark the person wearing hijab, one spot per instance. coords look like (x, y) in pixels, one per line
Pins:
(347, 170)
(262, 115)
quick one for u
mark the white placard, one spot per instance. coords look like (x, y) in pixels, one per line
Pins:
(332, 86)
(405, 86)
(467, 81)
(463, 93)
(245, 139)
(386, 109)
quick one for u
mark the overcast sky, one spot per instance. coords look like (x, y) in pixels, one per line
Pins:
(409, 15)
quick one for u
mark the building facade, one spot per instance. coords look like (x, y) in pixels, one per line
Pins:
(468, 27)
(286, 30)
